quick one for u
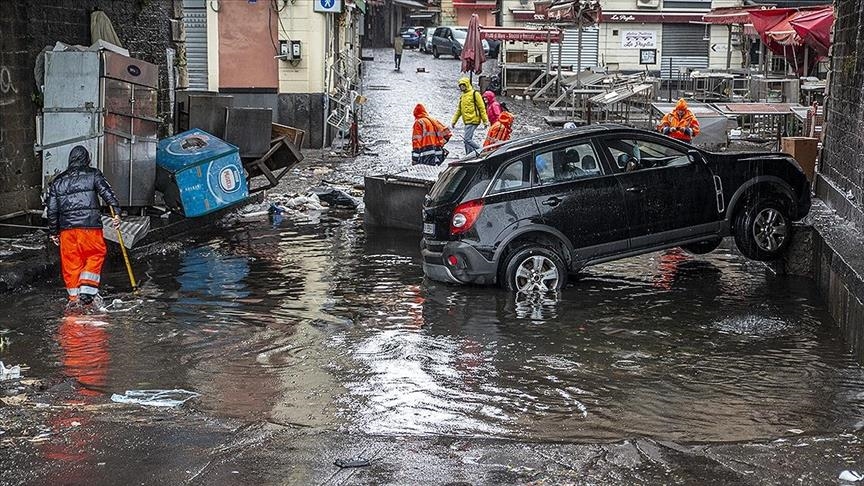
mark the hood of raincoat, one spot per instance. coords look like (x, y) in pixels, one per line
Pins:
(79, 157)
(681, 105)
(466, 82)
(420, 111)
(489, 97)
(506, 118)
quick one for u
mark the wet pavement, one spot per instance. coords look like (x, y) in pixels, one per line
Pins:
(311, 339)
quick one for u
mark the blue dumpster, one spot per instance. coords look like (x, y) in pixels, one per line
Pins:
(198, 173)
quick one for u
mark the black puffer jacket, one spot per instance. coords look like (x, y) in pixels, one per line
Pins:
(73, 198)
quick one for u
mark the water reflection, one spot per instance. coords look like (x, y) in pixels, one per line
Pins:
(323, 324)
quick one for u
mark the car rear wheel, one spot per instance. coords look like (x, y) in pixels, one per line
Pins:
(535, 268)
(762, 229)
(435, 53)
(702, 247)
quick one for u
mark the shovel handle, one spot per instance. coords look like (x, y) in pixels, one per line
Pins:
(125, 255)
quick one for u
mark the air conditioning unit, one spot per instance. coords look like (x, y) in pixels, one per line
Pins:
(647, 3)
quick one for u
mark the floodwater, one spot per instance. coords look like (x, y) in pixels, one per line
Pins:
(318, 323)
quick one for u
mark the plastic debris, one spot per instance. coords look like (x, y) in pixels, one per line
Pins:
(851, 476)
(10, 373)
(352, 462)
(155, 398)
(335, 198)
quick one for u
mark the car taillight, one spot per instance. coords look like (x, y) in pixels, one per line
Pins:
(464, 216)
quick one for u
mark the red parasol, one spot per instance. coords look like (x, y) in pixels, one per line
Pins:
(814, 28)
(473, 56)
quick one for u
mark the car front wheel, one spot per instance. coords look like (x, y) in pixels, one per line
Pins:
(762, 229)
(535, 269)
(435, 53)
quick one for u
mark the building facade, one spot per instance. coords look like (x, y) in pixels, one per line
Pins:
(630, 29)
(301, 58)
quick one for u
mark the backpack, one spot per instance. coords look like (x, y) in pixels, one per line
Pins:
(503, 106)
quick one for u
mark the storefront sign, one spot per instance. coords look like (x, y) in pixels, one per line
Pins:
(638, 39)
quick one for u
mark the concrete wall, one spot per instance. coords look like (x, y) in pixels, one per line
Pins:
(301, 23)
(26, 26)
(841, 171)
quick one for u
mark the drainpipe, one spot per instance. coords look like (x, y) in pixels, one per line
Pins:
(326, 80)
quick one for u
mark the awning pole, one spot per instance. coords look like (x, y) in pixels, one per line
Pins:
(729, 48)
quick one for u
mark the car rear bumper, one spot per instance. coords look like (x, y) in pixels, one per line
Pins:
(471, 267)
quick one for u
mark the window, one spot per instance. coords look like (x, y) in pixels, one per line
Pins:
(567, 164)
(451, 183)
(514, 176)
(633, 154)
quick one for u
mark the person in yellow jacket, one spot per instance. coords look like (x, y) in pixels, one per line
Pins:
(472, 110)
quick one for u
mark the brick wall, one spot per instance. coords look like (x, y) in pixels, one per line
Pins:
(27, 26)
(841, 182)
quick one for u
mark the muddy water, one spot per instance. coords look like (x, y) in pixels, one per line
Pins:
(320, 324)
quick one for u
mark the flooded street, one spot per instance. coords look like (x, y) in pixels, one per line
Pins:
(313, 339)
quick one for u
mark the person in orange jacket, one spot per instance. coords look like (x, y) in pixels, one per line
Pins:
(501, 129)
(75, 224)
(428, 138)
(680, 123)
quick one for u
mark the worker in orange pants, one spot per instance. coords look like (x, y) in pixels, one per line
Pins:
(75, 224)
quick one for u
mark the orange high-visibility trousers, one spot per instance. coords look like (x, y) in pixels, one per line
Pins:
(82, 253)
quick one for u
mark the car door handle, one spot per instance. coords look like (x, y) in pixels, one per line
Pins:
(552, 201)
(636, 189)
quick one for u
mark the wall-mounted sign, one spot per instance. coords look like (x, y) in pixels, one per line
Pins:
(327, 6)
(647, 56)
(638, 39)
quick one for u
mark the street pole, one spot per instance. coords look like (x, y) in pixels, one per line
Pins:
(729, 47)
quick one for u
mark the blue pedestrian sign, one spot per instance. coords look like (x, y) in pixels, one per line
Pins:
(332, 6)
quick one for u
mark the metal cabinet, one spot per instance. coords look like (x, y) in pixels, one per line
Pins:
(107, 102)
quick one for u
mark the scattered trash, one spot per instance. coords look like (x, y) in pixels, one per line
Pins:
(75, 424)
(795, 431)
(335, 198)
(155, 398)
(44, 436)
(421, 69)
(10, 373)
(14, 400)
(851, 476)
(353, 462)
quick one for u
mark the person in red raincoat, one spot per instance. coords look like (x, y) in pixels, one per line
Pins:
(75, 224)
(428, 138)
(501, 130)
(680, 123)
(493, 108)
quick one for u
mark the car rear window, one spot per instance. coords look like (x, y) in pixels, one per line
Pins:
(451, 183)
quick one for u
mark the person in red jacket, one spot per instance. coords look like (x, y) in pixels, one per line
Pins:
(501, 130)
(493, 108)
(680, 123)
(428, 138)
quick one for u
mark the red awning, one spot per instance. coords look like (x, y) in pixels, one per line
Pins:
(585, 11)
(732, 15)
(814, 28)
(521, 34)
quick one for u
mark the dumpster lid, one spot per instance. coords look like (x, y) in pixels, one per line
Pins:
(190, 148)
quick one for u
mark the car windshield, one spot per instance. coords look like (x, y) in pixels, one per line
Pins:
(460, 34)
(451, 183)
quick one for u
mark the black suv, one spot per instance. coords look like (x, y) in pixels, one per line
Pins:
(526, 213)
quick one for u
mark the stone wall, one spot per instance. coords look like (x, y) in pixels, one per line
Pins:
(841, 172)
(26, 27)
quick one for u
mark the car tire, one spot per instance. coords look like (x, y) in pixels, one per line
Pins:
(702, 247)
(435, 53)
(762, 229)
(526, 267)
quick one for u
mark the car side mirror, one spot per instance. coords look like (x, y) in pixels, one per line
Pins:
(695, 156)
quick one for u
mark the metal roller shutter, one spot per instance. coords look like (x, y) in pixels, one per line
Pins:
(570, 48)
(195, 21)
(683, 47)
